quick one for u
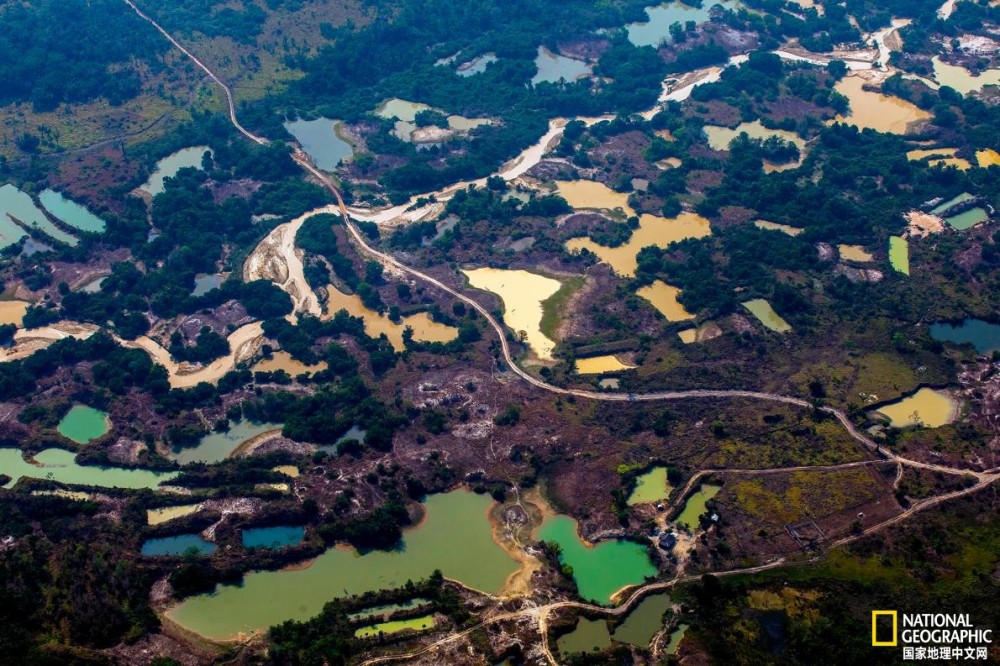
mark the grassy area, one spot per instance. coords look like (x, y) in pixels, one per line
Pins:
(555, 306)
(804, 494)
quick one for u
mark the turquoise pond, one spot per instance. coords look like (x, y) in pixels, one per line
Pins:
(177, 545)
(273, 537)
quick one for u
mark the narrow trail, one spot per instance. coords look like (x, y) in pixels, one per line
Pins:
(540, 613)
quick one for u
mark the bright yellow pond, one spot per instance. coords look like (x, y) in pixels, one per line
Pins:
(599, 365)
(926, 407)
(664, 298)
(424, 328)
(522, 293)
(875, 110)
(652, 231)
(591, 194)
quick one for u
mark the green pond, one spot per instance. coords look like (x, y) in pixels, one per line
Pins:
(589, 635)
(320, 140)
(415, 623)
(280, 536)
(599, 570)
(651, 487)
(982, 335)
(84, 424)
(217, 446)
(182, 544)
(455, 537)
(763, 311)
(657, 28)
(60, 465)
(961, 198)
(675, 639)
(642, 623)
(206, 282)
(695, 505)
(18, 205)
(388, 609)
(968, 219)
(553, 67)
(71, 213)
(899, 254)
(171, 164)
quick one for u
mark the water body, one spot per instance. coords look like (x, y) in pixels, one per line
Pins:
(181, 544)
(651, 487)
(599, 365)
(653, 230)
(588, 636)
(522, 293)
(719, 138)
(455, 537)
(664, 298)
(968, 219)
(291, 471)
(283, 361)
(951, 203)
(60, 465)
(15, 204)
(273, 537)
(961, 79)
(167, 513)
(899, 254)
(476, 65)
(553, 67)
(927, 407)
(12, 312)
(774, 226)
(171, 164)
(421, 623)
(321, 141)
(599, 570)
(424, 328)
(590, 194)
(642, 623)
(94, 286)
(217, 446)
(766, 315)
(84, 424)
(71, 213)
(983, 335)
(657, 29)
(855, 253)
(204, 283)
(675, 639)
(987, 158)
(696, 505)
(875, 110)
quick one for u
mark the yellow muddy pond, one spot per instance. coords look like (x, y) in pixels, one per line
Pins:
(875, 110)
(291, 471)
(988, 158)
(591, 194)
(284, 361)
(774, 226)
(522, 293)
(961, 79)
(656, 231)
(664, 298)
(856, 253)
(707, 331)
(167, 513)
(942, 157)
(926, 407)
(12, 312)
(599, 365)
(763, 311)
(719, 138)
(424, 328)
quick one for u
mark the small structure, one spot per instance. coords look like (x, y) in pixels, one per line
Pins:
(667, 541)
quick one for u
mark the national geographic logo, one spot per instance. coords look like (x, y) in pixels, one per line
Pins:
(933, 636)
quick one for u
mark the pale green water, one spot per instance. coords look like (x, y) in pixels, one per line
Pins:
(695, 505)
(455, 537)
(600, 570)
(961, 198)
(84, 424)
(476, 65)
(642, 623)
(899, 254)
(676, 638)
(552, 67)
(70, 212)
(217, 446)
(60, 465)
(321, 142)
(17, 204)
(661, 17)
(416, 623)
(388, 609)
(206, 283)
(983, 335)
(589, 635)
(273, 537)
(766, 315)
(177, 545)
(171, 164)
(650, 487)
(968, 219)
